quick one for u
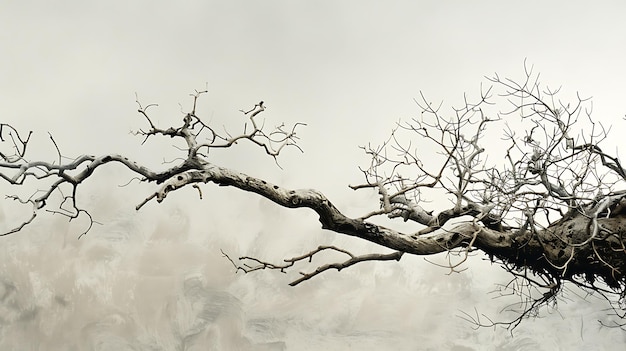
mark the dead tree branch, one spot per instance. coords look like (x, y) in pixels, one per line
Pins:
(544, 201)
(289, 262)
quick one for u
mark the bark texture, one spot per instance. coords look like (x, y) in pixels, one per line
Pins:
(550, 209)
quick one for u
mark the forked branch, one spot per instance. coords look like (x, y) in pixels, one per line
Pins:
(548, 203)
(255, 264)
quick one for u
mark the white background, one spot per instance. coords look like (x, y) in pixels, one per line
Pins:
(155, 280)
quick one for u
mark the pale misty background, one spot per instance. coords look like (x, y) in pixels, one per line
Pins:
(155, 279)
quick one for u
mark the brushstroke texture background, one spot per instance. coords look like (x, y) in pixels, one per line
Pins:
(155, 280)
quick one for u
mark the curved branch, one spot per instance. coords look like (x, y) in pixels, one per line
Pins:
(547, 210)
(289, 262)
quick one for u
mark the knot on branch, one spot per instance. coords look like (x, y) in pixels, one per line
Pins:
(177, 182)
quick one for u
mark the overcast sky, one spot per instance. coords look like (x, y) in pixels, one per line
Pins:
(349, 70)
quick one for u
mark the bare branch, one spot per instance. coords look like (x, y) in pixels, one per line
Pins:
(260, 265)
(527, 184)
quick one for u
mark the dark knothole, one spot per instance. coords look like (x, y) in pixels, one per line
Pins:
(455, 237)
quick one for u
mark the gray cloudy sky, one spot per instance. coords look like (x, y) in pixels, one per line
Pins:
(350, 70)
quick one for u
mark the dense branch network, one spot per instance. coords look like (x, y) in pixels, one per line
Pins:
(556, 195)
(550, 205)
